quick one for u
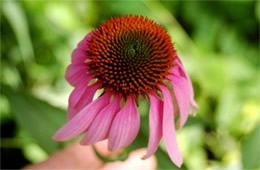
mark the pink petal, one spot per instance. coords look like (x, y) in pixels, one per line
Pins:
(83, 44)
(80, 97)
(155, 124)
(78, 56)
(180, 89)
(77, 93)
(194, 106)
(125, 126)
(99, 128)
(81, 90)
(75, 73)
(169, 134)
(82, 120)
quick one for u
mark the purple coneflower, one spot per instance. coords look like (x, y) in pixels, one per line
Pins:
(127, 56)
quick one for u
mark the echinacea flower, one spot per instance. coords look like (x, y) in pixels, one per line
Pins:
(127, 57)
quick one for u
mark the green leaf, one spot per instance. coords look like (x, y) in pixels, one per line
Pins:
(250, 150)
(36, 117)
(15, 15)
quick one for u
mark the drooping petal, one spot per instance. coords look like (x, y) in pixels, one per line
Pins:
(180, 90)
(183, 72)
(169, 133)
(76, 73)
(125, 126)
(155, 124)
(80, 97)
(183, 92)
(99, 128)
(194, 106)
(82, 120)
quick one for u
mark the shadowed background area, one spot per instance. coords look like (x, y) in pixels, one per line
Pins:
(217, 41)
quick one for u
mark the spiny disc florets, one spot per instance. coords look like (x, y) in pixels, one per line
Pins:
(130, 55)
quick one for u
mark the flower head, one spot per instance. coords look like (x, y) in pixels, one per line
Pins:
(127, 56)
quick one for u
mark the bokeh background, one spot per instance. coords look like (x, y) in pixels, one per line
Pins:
(218, 42)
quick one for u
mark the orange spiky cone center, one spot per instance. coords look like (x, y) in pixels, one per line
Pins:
(130, 55)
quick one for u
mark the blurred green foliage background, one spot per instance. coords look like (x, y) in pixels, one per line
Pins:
(218, 42)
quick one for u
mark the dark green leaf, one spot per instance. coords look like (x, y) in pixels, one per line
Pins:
(35, 116)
